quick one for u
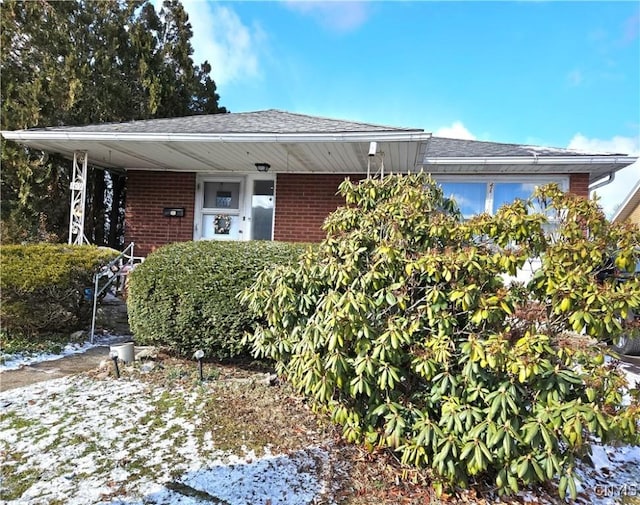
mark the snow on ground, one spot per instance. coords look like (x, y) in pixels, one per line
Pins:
(615, 475)
(78, 440)
(16, 361)
(82, 441)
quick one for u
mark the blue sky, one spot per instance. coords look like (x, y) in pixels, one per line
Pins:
(561, 74)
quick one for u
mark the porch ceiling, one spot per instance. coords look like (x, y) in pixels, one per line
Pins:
(288, 155)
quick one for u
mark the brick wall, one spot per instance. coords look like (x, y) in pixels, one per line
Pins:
(579, 184)
(147, 194)
(303, 201)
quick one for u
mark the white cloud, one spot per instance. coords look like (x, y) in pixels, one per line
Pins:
(219, 36)
(617, 144)
(612, 195)
(456, 131)
(336, 16)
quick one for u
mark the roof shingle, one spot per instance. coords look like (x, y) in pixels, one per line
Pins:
(274, 121)
(440, 147)
(266, 121)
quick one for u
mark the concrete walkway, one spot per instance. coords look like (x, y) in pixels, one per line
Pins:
(55, 369)
(112, 316)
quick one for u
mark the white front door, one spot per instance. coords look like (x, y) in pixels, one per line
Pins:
(234, 208)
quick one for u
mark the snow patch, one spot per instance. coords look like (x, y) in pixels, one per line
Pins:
(108, 442)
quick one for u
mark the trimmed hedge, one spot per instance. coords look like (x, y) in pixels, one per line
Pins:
(43, 287)
(184, 295)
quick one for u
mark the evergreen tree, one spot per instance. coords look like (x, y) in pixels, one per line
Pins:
(84, 62)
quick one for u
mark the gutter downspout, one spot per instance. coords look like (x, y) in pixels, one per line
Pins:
(611, 176)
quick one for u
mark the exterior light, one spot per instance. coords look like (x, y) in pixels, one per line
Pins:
(263, 167)
(199, 354)
(114, 356)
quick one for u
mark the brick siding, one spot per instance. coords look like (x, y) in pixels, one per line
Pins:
(303, 201)
(148, 193)
(579, 184)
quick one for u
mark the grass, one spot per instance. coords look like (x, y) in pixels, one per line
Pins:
(18, 423)
(235, 410)
(239, 411)
(15, 481)
(269, 417)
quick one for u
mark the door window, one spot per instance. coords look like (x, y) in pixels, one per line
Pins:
(262, 209)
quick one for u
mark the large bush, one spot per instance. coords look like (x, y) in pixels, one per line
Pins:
(401, 326)
(184, 295)
(43, 287)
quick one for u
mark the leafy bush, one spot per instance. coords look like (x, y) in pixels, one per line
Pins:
(43, 287)
(402, 328)
(184, 295)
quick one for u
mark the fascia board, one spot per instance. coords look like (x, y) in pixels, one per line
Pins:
(539, 160)
(36, 135)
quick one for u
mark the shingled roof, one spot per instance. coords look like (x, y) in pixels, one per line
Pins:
(291, 142)
(265, 121)
(280, 122)
(440, 147)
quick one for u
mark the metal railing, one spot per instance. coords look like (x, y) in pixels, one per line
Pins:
(114, 272)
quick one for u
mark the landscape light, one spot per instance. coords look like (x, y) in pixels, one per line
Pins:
(114, 356)
(199, 354)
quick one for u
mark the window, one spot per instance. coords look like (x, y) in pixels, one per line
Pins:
(488, 194)
(262, 210)
(471, 197)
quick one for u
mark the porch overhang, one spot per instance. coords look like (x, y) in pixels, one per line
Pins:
(235, 153)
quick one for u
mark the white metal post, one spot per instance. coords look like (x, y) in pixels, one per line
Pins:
(78, 198)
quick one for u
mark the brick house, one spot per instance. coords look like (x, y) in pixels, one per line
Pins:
(273, 175)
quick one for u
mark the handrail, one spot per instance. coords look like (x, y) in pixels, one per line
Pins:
(112, 270)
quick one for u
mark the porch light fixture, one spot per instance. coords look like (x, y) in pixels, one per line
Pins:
(263, 167)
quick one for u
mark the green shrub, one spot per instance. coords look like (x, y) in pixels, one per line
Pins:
(401, 327)
(43, 287)
(184, 295)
